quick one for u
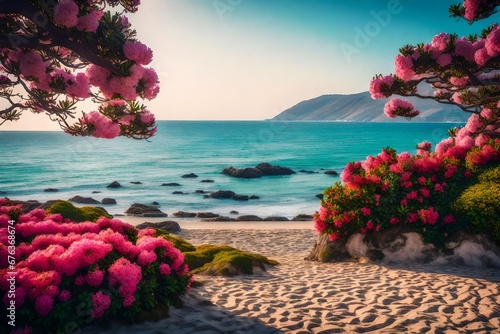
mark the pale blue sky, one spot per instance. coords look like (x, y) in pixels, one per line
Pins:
(251, 59)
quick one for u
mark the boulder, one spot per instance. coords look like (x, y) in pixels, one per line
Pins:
(276, 219)
(189, 176)
(268, 169)
(331, 172)
(45, 205)
(400, 245)
(220, 219)
(155, 203)
(178, 193)
(234, 212)
(222, 194)
(114, 184)
(51, 190)
(199, 191)
(302, 217)
(96, 192)
(320, 196)
(246, 173)
(143, 210)
(30, 205)
(135, 182)
(249, 218)
(171, 184)
(168, 225)
(183, 214)
(254, 197)
(240, 197)
(84, 200)
(207, 215)
(108, 201)
(207, 181)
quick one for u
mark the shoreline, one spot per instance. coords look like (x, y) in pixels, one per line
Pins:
(300, 296)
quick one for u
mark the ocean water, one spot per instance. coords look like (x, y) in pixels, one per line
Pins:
(33, 161)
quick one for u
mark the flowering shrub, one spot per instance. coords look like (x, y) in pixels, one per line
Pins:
(71, 274)
(415, 190)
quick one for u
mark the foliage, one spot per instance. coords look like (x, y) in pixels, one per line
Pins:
(480, 204)
(392, 189)
(69, 211)
(223, 260)
(74, 274)
(178, 242)
(462, 71)
(56, 54)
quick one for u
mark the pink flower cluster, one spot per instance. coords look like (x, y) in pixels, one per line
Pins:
(404, 68)
(379, 84)
(398, 107)
(471, 7)
(53, 249)
(138, 52)
(66, 15)
(103, 126)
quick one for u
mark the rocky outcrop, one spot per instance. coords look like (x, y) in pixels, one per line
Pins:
(320, 196)
(84, 200)
(276, 219)
(254, 197)
(331, 172)
(220, 219)
(207, 181)
(183, 214)
(108, 201)
(262, 169)
(114, 184)
(143, 210)
(302, 217)
(136, 182)
(177, 193)
(240, 197)
(401, 245)
(207, 215)
(189, 176)
(171, 184)
(249, 218)
(51, 190)
(222, 194)
(168, 225)
(30, 205)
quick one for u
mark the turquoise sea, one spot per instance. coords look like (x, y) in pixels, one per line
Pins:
(33, 161)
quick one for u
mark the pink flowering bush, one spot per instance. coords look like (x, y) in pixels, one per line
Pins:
(80, 52)
(78, 273)
(417, 191)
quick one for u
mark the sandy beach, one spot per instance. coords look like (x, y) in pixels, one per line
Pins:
(300, 296)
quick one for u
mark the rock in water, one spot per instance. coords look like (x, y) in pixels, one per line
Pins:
(222, 194)
(190, 175)
(268, 169)
(143, 210)
(114, 184)
(245, 173)
(84, 200)
(108, 201)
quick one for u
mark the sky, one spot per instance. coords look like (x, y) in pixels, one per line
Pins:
(252, 59)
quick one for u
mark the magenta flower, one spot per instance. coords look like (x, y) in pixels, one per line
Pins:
(398, 107)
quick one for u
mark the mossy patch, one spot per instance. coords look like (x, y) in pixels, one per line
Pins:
(178, 242)
(224, 261)
(68, 210)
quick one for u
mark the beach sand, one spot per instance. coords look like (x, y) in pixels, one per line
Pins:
(300, 296)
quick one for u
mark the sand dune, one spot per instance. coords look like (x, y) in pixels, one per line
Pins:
(309, 297)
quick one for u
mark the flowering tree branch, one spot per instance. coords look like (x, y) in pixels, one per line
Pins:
(55, 54)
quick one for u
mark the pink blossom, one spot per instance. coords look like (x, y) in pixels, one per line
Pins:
(456, 98)
(459, 82)
(444, 59)
(44, 304)
(493, 42)
(394, 220)
(412, 217)
(100, 303)
(104, 127)
(97, 75)
(398, 107)
(404, 67)
(90, 21)
(449, 219)
(428, 216)
(147, 117)
(165, 269)
(365, 211)
(464, 48)
(481, 56)
(138, 52)
(333, 237)
(65, 295)
(487, 113)
(32, 65)
(471, 7)
(79, 86)
(380, 83)
(146, 257)
(66, 13)
(440, 41)
(126, 274)
(94, 278)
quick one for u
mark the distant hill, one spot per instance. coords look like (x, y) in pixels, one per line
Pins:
(362, 108)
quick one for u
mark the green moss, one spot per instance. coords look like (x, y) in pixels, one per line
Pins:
(480, 204)
(178, 242)
(224, 260)
(68, 210)
(93, 213)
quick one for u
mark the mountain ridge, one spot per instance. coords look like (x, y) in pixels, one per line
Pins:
(360, 107)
